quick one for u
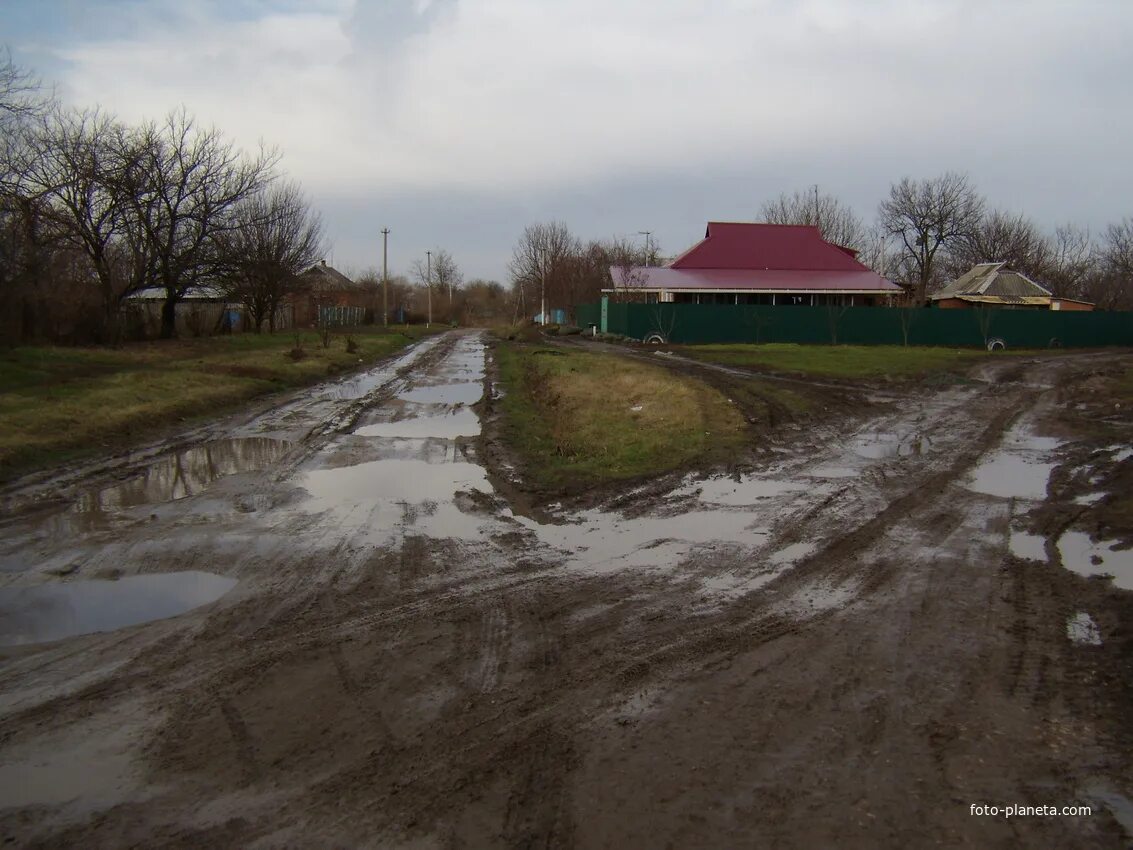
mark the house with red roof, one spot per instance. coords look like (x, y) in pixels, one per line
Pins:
(773, 264)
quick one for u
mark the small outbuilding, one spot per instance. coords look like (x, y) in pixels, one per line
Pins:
(995, 285)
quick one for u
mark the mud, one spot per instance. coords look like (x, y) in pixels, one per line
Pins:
(840, 639)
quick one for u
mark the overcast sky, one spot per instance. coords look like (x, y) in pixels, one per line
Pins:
(457, 122)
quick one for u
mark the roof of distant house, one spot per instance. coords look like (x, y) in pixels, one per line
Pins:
(994, 282)
(746, 257)
(327, 278)
(738, 245)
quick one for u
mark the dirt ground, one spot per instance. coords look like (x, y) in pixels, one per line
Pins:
(848, 637)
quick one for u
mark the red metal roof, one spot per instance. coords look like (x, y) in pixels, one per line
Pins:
(734, 245)
(859, 280)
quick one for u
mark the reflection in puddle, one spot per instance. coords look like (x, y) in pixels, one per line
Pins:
(468, 392)
(381, 496)
(1085, 557)
(1082, 630)
(459, 422)
(185, 473)
(53, 611)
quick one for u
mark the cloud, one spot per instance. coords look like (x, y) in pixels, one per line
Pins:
(528, 100)
(515, 93)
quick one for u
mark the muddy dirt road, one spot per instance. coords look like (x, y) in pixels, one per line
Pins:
(848, 646)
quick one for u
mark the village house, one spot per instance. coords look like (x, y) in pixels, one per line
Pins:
(745, 263)
(995, 285)
(327, 296)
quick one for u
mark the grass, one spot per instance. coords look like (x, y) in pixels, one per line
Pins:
(841, 361)
(578, 418)
(61, 403)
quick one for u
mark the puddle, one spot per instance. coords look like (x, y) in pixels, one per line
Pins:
(459, 422)
(1089, 498)
(1082, 630)
(601, 542)
(462, 393)
(185, 473)
(1088, 558)
(1018, 469)
(732, 493)
(880, 445)
(384, 495)
(1030, 547)
(53, 611)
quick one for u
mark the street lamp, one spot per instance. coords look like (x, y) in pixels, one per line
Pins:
(646, 234)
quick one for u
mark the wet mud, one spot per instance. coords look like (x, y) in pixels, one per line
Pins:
(842, 639)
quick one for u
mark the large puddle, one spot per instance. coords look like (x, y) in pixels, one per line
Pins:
(53, 611)
(1019, 469)
(185, 473)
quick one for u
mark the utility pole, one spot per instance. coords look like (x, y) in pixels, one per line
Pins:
(429, 285)
(385, 277)
(543, 286)
(646, 234)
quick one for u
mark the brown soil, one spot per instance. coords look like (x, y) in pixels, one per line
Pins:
(829, 644)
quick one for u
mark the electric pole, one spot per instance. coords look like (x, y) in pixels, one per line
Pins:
(429, 285)
(543, 286)
(385, 277)
(646, 234)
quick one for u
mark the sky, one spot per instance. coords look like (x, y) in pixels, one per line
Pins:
(456, 123)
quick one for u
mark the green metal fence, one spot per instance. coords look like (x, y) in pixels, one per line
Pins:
(722, 323)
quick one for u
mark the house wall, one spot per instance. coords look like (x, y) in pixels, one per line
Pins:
(1071, 306)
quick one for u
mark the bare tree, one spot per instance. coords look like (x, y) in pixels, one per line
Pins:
(1001, 237)
(540, 263)
(1072, 260)
(1113, 288)
(275, 239)
(73, 162)
(836, 222)
(22, 96)
(184, 190)
(927, 216)
(446, 276)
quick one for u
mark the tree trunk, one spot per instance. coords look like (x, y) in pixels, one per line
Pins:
(169, 316)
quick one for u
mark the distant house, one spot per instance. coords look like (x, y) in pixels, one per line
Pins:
(995, 285)
(327, 296)
(200, 311)
(744, 263)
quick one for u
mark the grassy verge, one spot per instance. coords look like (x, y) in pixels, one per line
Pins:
(577, 417)
(60, 403)
(841, 361)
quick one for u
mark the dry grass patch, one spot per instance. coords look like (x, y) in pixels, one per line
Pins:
(59, 403)
(579, 417)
